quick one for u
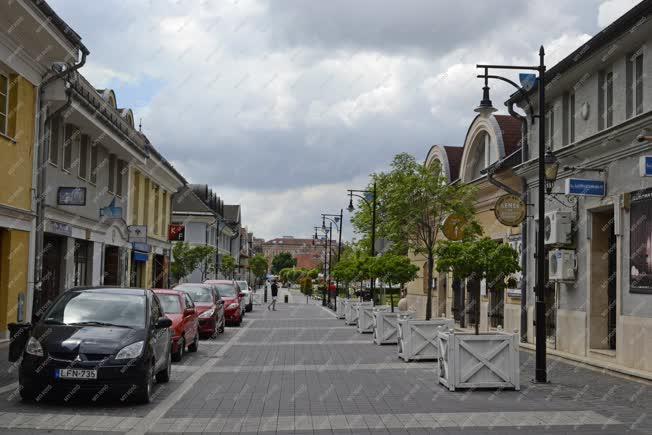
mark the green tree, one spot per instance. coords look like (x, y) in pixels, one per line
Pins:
(205, 259)
(395, 269)
(346, 271)
(259, 266)
(184, 261)
(281, 261)
(228, 266)
(415, 200)
(479, 259)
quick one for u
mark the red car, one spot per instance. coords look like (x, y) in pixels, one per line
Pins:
(232, 297)
(185, 326)
(209, 306)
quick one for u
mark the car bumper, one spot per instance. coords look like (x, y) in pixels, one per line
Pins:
(233, 315)
(207, 326)
(40, 375)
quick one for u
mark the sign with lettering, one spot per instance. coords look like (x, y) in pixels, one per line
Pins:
(510, 210)
(60, 228)
(646, 166)
(585, 187)
(137, 233)
(176, 232)
(454, 227)
(71, 196)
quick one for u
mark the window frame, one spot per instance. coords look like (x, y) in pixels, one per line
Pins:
(55, 133)
(4, 129)
(83, 161)
(111, 184)
(638, 84)
(93, 162)
(67, 147)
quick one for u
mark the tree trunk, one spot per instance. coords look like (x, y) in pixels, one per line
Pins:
(431, 262)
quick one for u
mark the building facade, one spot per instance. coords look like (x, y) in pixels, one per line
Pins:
(309, 254)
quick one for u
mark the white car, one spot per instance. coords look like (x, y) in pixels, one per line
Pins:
(249, 295)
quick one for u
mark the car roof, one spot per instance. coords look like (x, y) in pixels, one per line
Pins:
(111, 289)
(194, 284)
(220, 281)
(167, 291)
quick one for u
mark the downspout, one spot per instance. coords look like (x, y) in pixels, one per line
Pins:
(42, 152)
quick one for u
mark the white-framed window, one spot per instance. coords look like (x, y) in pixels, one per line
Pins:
(122, 170)
(550, 127)
(71, 136)
(634, 83)
(83, 156)
(157, 216)
(4, 102)
(605, 99)
(568, 118)
(95, 149)
(55, 139)
(112, 172)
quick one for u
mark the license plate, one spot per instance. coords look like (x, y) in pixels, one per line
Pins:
(76, 374)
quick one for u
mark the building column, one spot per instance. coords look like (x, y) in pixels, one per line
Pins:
(97, 268)
(69, 263)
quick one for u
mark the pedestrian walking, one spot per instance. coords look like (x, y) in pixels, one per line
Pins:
(272, 304)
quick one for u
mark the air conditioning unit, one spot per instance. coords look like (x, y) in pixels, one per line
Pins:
(558, 227)
(561, 265)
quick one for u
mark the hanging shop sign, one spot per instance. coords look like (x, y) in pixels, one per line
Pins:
(176, 232)
(71, 196)
(510, 210)
(585, 187)
(137, 233)
(646, 166)
(111, 211)
(454, 227)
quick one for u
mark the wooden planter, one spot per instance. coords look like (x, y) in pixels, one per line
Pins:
(341, 307)
(351, 312)
(488, 360)
(366, 317)
(385, 325)
(417, 339)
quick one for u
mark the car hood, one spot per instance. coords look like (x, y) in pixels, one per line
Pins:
(230, 300)
(105, 340)
(201, 307)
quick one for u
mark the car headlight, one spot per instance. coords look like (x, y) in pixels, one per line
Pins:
(132, 351)
(208, 313)
(34, 347)
(233, 306)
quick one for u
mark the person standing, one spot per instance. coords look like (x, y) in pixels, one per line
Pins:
(272, 304)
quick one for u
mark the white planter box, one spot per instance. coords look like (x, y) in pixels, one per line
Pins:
(417, 339)
(488, 360)
(341, 306)
(385, 325)
(366, 317)
(351, 312)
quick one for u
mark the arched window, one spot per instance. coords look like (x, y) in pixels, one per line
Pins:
(479, 157)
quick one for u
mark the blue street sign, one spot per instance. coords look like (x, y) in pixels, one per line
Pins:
(527, 80)
(585, 187)
(111, 211)
(646, 166)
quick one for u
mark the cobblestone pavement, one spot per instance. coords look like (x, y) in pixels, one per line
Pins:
(299, 370)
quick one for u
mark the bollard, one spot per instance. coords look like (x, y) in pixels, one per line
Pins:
(285, 299)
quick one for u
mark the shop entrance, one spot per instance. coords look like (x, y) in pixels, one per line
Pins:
(603, 281)
(158, 272)
(53, 264)
(112, 265)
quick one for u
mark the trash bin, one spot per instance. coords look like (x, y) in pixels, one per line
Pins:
(286, 298)
(18, 336)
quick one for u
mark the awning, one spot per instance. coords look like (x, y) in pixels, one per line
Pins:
(141, 256)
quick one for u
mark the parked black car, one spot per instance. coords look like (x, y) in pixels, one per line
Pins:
(109, 340)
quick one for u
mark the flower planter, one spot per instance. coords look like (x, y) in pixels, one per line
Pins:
(366, 317)
(385, 325)
(351, 312)
(417, 339)
(488, 360)
(341, 306)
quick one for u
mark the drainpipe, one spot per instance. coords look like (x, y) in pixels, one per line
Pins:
(42, 152)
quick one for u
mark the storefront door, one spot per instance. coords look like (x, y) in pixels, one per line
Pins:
(112, 265)
(53, 263)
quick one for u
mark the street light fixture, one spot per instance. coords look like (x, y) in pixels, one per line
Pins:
(485, 109)
(364, 195)
(350, 208)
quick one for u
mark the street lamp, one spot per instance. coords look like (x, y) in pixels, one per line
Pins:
(372, 205)
(336, 219)
(485, 109)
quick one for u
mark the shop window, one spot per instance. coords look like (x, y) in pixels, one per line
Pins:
(640, 243)
(4, 102)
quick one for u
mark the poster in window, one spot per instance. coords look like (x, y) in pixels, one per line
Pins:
(640, 243)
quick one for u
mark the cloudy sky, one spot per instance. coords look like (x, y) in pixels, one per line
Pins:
(282, 105)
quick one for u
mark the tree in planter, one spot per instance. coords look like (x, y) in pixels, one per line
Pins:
(395, 269)
(259, 266)
(283, 275)
(282, 261)
(416, 200)
(228, 266)
(478, 259)
(345, 272)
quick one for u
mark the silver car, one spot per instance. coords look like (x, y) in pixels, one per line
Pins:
(249, 295)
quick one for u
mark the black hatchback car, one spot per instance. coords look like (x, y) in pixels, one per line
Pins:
(108, 340)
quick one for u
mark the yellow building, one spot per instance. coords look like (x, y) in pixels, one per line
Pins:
(27, 54)
(151, 186)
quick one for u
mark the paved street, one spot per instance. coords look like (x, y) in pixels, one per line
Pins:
(300, 370)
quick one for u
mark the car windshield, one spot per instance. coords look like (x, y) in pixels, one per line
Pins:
(243, 286)
(226, 290)
(197, 293)
(100, 308)
(170, 303)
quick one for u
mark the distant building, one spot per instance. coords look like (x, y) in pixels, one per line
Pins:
(309, 253)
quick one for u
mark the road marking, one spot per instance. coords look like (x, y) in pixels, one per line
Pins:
(293, 343)
(159, 411)
(329, 311)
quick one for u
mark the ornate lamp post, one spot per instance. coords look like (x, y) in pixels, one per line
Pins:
(363, 194)
(337, 220)
(547, 172)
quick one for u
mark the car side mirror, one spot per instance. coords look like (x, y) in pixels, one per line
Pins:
(19, 334)
(188, 311)
(220, 302)
(163, 322)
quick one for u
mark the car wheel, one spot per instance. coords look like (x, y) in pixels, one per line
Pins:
(146, 388)
(176, 356)
(165, 374)
(195, 343)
